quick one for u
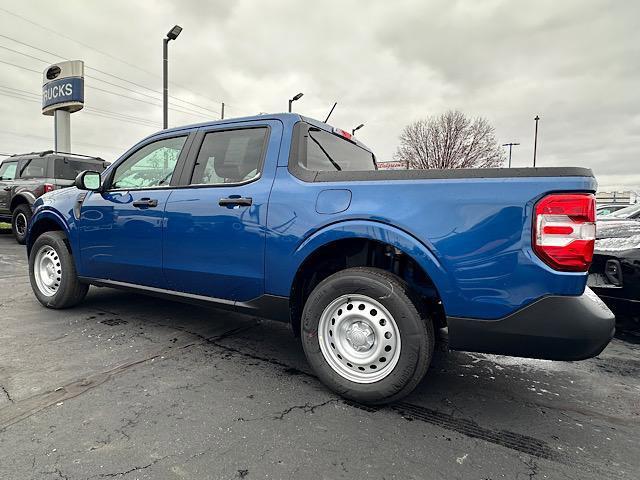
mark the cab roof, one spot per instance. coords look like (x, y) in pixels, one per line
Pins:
(288, 119)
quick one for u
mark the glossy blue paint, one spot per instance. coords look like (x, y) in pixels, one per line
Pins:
(471, 235)
(121, 242)
(479, 230)
(333, 201)
(56, 206)
(216, 250)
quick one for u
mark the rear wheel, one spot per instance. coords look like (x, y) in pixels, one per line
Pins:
(52, 272)
(365, 336)
(20, 221)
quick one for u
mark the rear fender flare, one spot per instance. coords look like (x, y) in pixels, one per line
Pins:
(22, 197)
(383, 233)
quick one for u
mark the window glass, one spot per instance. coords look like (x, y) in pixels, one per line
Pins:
(151, 166)
(8, 170)
(34, 168)
(69, 169)
(328, 152)
(231, 156)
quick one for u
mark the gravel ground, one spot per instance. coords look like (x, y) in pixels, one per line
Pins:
(131, 387)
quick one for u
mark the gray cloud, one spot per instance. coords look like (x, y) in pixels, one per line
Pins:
(574, 63)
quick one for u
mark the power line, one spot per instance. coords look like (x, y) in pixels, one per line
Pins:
(92, 111)
(20, 134)
(36, 97)
(188, 112)
(20, 66)
(101, 52)
(109, 83)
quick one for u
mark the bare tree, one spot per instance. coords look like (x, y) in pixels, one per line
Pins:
(451, 140)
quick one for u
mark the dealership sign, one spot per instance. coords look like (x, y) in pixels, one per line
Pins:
(63, 87)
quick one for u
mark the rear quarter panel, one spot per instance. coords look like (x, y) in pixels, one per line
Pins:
(474, 234)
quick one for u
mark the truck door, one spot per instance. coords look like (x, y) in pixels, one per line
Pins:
(121, 228)
(214, 238)
(8, 171)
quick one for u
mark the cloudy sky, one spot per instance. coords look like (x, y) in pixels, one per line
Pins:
(574, 63)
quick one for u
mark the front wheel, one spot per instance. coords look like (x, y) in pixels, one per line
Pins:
(52, 272)
(365, 337)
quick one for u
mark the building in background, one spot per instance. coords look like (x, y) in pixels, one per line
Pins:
(392, 165)
(623, 197)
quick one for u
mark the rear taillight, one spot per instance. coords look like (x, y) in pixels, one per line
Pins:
(564, 231)
(48, 187)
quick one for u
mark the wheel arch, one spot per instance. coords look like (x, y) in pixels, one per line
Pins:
(46, 221)
(367, 243)
(21, 199)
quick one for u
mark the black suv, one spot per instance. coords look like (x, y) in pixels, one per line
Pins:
(23, 178)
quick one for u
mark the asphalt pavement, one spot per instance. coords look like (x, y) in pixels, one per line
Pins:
(132, 387)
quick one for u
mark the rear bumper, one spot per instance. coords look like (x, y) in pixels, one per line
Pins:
(552, 328)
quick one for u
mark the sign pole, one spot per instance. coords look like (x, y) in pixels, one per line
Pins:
(62, 131)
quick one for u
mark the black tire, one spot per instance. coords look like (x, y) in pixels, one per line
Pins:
(19, 221)
(69, 291)
(416, 334)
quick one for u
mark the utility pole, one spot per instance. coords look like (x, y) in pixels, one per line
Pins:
(535, 141)
(510, 145)
(172, 35)
(222, 112)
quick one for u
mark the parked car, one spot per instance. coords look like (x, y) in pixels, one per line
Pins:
(632, 212)
(23, 178)
(606, 209)
(288, 218)
(615, 272)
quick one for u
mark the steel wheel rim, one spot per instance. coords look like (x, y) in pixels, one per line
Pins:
(47, 270)
(21, 224)
(359, 338)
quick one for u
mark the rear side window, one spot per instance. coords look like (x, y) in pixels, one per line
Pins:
(329, 153)
(8, 170)
(230, 156)
(69, 169)
(34, 168)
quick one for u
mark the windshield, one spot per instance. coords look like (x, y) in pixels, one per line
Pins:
(632, 211)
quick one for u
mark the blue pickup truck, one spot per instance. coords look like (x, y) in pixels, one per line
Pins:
(288, 218)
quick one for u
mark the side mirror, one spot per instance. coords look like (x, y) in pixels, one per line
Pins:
(88, 180)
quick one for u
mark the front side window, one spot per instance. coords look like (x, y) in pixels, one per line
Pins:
(151, 166)
(230, 156)
(34, 168)
(8, 170)
(329, 153)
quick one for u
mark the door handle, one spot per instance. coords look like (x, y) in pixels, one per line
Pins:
(145, 203)
(235, 202)
(6, 189)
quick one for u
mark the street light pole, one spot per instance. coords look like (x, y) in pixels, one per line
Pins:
(291, 100)
(172, 35)
(510, 145)
(535, 141)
